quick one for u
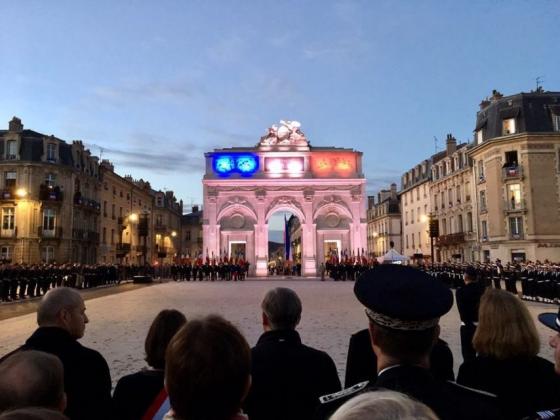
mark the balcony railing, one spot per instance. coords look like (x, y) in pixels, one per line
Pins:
(123, 249)
(516, 236)
(8, 194)
(55, 233)
(451, 239)
(86, 203)
(512, 172)
(160, 228)
(515, 206)
(50, 193)
(8, 233)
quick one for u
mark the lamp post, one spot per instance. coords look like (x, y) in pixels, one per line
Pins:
(433, 227)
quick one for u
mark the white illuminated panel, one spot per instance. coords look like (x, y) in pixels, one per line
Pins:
(275, 165)
(285, 165)
(294, 165)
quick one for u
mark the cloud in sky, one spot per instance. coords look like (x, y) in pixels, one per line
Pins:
(175, 91)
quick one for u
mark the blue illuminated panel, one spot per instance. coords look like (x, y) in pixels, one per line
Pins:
(245, 165)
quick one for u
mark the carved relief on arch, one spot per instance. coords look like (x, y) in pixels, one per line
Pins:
(289, 202)
(237, 205)
(332, 204)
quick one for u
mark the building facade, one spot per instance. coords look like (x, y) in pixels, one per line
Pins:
(384, 222)
(191, 228)
(452, 204)
(516, 177)
(415, 211)
(59, 204)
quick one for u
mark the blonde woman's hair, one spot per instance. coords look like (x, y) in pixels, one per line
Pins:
(505, 327)
(383, 405)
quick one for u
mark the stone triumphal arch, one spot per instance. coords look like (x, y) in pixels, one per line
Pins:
(323, 186)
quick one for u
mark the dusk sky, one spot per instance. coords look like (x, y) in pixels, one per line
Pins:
(156, 84)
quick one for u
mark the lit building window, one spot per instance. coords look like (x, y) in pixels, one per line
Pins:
(8, 218)
(514, 196)
(48, 219)
(12, 150)
(556, 122)
(479, 136)
(5, 253)
(508, 126)
(51, 152)
(516, 227)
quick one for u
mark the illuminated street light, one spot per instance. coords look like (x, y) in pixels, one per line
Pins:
(424, 218)
(173, 233)
(133, 217)
(21, 192)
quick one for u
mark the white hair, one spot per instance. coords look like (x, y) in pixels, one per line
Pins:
(383, 405)
(54, 301)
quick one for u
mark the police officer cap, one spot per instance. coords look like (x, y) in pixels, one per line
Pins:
(551, 320)
(403, 298)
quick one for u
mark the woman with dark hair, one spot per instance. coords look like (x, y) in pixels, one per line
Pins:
(506, 364)
(136, 393)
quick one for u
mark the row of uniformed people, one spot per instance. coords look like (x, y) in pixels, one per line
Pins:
(18, 281)
(347, 270)
(539, 282)
(195, 270)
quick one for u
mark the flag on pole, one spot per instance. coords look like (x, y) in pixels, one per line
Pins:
(286, 239)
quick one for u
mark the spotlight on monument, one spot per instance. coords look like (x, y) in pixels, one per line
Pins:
(275, 166)
(295, 165)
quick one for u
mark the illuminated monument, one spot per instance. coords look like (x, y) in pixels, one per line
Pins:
(323, 186)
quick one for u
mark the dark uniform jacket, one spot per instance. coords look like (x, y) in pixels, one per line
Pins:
(135, 393)
(87, 380)
(361, 364)
(448, 400)
(468, 301)
(523, 385)
(288, 378)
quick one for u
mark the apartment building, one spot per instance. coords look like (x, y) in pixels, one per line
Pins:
(384, 222)
(452, 204)
(516, 177)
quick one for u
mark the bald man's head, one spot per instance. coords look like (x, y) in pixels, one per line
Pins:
(63, 307)
(30, 378)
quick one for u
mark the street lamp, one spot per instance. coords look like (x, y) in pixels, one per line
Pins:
(433, 227)
(133, 217)
(21, 192)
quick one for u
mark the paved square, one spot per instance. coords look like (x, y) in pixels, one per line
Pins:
(119, 323)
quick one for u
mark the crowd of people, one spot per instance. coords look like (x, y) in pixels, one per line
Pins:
(204, 369)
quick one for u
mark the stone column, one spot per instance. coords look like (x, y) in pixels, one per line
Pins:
(261, 236)
(308, 241)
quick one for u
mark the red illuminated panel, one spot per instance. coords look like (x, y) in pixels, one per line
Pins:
(330, 164)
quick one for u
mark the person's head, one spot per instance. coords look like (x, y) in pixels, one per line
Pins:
(30, 378)
(383, 405)
(207, 370)
(63, 307)
(403, 306)
(162, 330)
(281, 309)
(552, 321)
(470, 275)
(33, 413)
(505, 327)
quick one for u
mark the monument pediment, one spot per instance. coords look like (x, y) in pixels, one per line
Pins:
(285, 136)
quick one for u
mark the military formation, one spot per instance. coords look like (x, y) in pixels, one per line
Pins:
(20, 281)
(222, 269)
(535, 281)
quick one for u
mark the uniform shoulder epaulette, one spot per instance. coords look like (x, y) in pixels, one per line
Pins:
(545, 414)
(344, 393)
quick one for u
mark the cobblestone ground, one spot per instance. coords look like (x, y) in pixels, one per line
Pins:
(119, 322)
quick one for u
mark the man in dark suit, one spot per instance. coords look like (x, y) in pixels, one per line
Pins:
(288, 377)
(468, 300)
(87, 382)
(403, 307)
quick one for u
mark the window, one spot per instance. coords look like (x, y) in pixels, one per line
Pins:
(159, 220)
(516, 227)
(435, 201)
(484, 230)
(514, 196)
(467, 191)
(418, 214)
(406, 218)
(12, 150)
(508, 126)
(10, 179)
(188, 235)
(450, 196)
(511, 159)
(412, 216)
(442, 200)
(459, 223)
(480, 170)
(469, 222)
(104, 237)
(482, 200)
(112, 211)
(556, 122)
(48, 219)
(418, 193)
(104, 208)
(413, 245)
(5, 253)
(51, 152)
(159, 200)
(406, 237)
(112, 236)
(114, 191)
(48, 254)
(444, 226)
(50, 180)
(8, 218)
(458, 193)
(120, 211)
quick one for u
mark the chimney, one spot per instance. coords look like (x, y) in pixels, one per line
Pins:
(194, 209)
(15, 125)
(393, 190)
(496, 96)
(451, 143)
(371, 201)
(484, 103)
